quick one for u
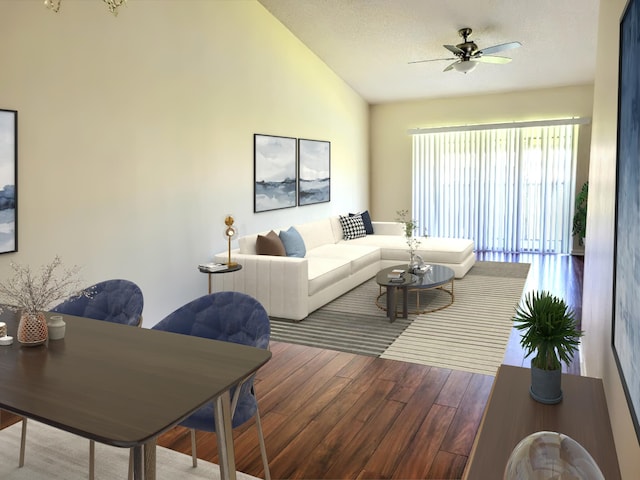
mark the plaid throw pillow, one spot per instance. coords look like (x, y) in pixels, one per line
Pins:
(352, 227)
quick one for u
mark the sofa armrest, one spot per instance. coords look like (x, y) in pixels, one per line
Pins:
(388, 228)
(280, 284)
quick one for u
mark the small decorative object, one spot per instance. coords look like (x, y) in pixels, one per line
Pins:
(551, 455)
(410, 226)
(230, 232)
(57, 327)
(34, 293)
(416, 264)
(550, 330)
(32, 329)
(4, 339)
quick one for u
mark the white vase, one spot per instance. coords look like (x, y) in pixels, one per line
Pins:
(57, 327)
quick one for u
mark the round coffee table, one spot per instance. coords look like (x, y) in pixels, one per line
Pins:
(435, 277)
(382, 279)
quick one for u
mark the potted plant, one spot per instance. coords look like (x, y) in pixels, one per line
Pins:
(410, 226)
(580, 214)
(550, 330)
(32, 293)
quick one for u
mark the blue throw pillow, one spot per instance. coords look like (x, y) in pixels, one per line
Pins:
(293, 243)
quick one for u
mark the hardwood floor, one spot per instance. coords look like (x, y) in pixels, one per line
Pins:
(333, 415)
(558, 274)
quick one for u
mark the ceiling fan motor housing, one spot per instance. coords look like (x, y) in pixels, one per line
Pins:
(469, 48)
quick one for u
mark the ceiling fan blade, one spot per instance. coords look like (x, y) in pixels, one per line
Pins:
(492, 59)
(499, 48)
(432, 60)
(453, 49)
(450, 66)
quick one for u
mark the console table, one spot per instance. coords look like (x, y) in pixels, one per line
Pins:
(511, 414)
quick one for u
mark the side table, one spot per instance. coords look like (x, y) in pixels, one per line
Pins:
(226, 269)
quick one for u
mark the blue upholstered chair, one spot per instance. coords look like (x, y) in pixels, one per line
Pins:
(230, 317)
(116, 301)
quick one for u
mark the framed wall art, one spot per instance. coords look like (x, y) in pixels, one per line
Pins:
(626, 280)
(314, 171)
(8, 181)
(275, 175)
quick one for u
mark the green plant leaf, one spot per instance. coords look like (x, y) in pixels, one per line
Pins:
(549, 329)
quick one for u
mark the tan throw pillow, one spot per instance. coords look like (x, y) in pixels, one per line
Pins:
(270, 244)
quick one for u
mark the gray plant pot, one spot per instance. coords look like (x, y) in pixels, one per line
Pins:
(546, 385)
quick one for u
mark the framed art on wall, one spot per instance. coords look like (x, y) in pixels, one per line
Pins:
(8, 180)
(275, 176)
(626, 281)
(314, 171)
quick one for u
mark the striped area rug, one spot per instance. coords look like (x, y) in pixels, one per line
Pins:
(470, 335)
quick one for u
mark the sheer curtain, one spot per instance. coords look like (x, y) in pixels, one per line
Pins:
(508, 189)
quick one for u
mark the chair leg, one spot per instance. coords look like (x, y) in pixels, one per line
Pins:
(194, 455)
(92, 459)
(263, 449)
(23, 439)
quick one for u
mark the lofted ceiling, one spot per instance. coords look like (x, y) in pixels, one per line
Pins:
(369, 43)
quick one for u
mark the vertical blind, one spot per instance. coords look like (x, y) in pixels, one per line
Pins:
(508, 189)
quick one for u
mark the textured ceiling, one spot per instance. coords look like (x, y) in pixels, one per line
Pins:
(369, 43)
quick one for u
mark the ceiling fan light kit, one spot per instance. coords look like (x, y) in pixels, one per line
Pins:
(468, 55)
(465, 66)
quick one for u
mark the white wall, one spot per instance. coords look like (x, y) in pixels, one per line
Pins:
(598, 272)
(136, 133)
(391, 145)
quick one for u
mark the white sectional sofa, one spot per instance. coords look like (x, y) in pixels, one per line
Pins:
(291, 287)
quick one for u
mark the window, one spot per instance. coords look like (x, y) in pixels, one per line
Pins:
(508, 189)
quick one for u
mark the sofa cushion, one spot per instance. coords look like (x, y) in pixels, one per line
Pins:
(431, 249)
(270, 244)
(316, 233)
(366, 219)
(359, 256)
(247, 244)
(293, 243)
(352, 227)
(324, 272)
(336, 227)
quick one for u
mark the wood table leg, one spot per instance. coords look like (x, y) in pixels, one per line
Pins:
(222, 414)
(150, 460)
(391, 303)
(405, 302)
(138, 462)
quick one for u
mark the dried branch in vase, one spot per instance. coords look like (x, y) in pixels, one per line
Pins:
(33, 292)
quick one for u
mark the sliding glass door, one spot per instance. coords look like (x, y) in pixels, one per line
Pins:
(508, 189)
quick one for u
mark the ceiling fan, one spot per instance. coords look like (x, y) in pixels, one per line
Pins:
(468, 55)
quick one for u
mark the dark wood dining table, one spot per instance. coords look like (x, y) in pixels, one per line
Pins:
(124, 386)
